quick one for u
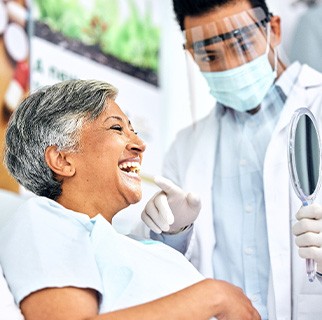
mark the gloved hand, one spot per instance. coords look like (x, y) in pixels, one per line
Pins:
(308, 232)
(171, 209)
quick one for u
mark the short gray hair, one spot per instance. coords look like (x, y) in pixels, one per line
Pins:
(53, 115)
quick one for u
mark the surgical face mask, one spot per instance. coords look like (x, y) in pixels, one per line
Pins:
(243, 88)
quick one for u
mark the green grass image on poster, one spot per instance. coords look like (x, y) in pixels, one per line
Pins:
(99, 24)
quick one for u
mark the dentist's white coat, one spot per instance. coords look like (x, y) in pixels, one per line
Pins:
(189, 163)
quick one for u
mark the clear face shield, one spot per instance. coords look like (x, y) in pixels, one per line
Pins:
(230, 42)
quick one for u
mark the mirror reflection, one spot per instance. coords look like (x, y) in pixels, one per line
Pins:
(307, 154)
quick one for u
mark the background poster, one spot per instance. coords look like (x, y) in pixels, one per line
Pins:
(116, 41)
(14, 70)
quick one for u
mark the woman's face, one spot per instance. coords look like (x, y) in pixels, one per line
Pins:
(108, 163)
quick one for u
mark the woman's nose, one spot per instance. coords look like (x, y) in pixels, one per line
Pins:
(136, 144)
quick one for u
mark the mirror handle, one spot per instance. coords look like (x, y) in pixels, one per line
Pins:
(310, 269)
(310, 263)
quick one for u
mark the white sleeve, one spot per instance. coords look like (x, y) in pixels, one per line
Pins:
(43, 247)
(178, 241)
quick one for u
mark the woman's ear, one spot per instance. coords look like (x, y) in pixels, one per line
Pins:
(58, 162)
(275, 31)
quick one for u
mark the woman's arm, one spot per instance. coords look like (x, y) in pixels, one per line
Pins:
(202, 300)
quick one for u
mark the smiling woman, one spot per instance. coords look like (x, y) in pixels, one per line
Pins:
(72, 145)
(106, 158)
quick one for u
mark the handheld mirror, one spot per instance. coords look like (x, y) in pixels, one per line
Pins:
(304, 156)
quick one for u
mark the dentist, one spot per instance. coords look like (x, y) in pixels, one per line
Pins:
(236, 160)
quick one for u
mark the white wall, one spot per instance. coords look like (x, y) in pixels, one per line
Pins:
(289, 11)
(182, 105)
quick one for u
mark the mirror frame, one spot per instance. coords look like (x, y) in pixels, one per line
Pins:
(306, 199)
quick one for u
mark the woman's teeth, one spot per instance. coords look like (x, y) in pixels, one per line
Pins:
(130, 167)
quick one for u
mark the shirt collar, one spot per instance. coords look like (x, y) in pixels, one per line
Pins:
(287, 79)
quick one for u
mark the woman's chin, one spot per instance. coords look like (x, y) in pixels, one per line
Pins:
(132, 188)
(135, 197)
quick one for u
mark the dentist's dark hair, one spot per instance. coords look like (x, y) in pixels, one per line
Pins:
(53, 115)
(195, 8)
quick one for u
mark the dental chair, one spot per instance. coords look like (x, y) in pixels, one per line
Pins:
(9, 201)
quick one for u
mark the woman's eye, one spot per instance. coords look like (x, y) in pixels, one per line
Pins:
(117, 127)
